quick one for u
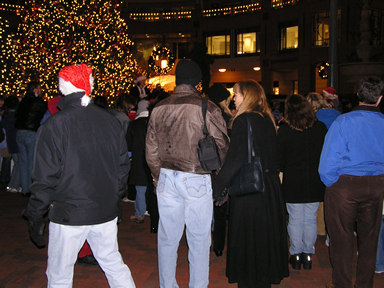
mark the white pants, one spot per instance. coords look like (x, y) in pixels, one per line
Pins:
(65, 243)
(184, 200)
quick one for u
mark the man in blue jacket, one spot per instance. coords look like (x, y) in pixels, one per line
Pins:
(79, 176)
(352, 168)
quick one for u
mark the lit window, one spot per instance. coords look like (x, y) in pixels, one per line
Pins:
(289, 38)
(321, 29)
(247, 43)
(218, 45)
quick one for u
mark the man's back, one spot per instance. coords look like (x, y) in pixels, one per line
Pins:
(176, 126)
(88, 165)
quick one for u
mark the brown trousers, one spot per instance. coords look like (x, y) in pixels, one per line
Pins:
(354, 202)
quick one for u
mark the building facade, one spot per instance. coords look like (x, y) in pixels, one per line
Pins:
(284, 44)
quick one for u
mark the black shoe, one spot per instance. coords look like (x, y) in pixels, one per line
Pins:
(307, 261)
(153, 230)
(218, 253)
(295, 261)
(88, 260)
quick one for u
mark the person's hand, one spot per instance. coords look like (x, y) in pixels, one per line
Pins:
(220, 198)
(220, 203)
(36, 232)
(36, 227)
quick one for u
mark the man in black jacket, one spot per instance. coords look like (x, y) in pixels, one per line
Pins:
(79, 176)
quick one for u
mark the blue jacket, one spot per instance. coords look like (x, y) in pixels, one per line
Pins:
(327, 116)
(353, 145)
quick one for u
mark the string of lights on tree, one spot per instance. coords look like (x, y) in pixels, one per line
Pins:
(161, 60)
(5, 42)
(57, 33)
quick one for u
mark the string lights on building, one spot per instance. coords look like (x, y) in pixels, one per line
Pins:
(181, 15)
(323, 70)
(283, 3)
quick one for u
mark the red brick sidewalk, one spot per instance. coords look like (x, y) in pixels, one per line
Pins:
(23, 265)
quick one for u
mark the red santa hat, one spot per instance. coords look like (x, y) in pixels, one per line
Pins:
(330, 92)
(76, 78)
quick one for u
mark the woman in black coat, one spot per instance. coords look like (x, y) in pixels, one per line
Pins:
(257, 240)
(140, 175)
(300, 141)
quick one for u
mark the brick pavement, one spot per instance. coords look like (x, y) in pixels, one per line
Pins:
(23, 265)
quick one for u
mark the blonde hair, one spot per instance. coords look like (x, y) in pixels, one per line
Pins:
(318, 101)
(254, 100)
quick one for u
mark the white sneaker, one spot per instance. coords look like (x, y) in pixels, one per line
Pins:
(379, 271)
(146, 213)
(327, 241)
(12, 190)
(125, 199)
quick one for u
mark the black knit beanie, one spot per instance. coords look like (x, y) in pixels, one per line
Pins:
(188, 72)
(217, 93)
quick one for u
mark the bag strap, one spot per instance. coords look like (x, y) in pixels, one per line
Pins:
(204, 109)
(251, 148)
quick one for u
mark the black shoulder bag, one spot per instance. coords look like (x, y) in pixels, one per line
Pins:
(206, 149)
(250, 179)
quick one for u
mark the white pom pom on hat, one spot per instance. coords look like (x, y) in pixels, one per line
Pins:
(76, 78)
(140, 78)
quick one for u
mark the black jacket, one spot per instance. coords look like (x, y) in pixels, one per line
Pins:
(81, 165)
(29, 112)
(140, 173)
(299, 156)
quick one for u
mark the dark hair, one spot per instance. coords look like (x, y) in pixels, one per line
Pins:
(299, 113)
(160, 96)
(32, 86)
(101, 101)
(370, 89)
(11, 102)
(123, 102)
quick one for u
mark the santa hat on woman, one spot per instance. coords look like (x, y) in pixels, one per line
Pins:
(330, 92)
(76, 78)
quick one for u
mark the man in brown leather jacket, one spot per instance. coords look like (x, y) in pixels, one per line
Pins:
(183, 189)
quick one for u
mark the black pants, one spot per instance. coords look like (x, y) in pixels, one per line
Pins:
(152, 208)
(220, 214)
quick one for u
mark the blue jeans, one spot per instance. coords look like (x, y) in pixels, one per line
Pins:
(302, 227)
(184, 199)
(15, 181)
(380, 249)
(140, 204)
(26, 144)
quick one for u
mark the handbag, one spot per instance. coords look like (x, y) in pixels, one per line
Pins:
(206, 149)
(250, 178)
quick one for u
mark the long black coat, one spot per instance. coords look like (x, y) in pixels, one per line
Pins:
(257, 237)
(140, 173)
(299, 156)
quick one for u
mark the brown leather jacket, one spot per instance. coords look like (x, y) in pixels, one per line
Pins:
(174, 129)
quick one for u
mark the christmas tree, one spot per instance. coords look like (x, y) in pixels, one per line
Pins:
(57, 33)
(5, 43)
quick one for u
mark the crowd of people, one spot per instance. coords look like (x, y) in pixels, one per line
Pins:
(78, 160)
